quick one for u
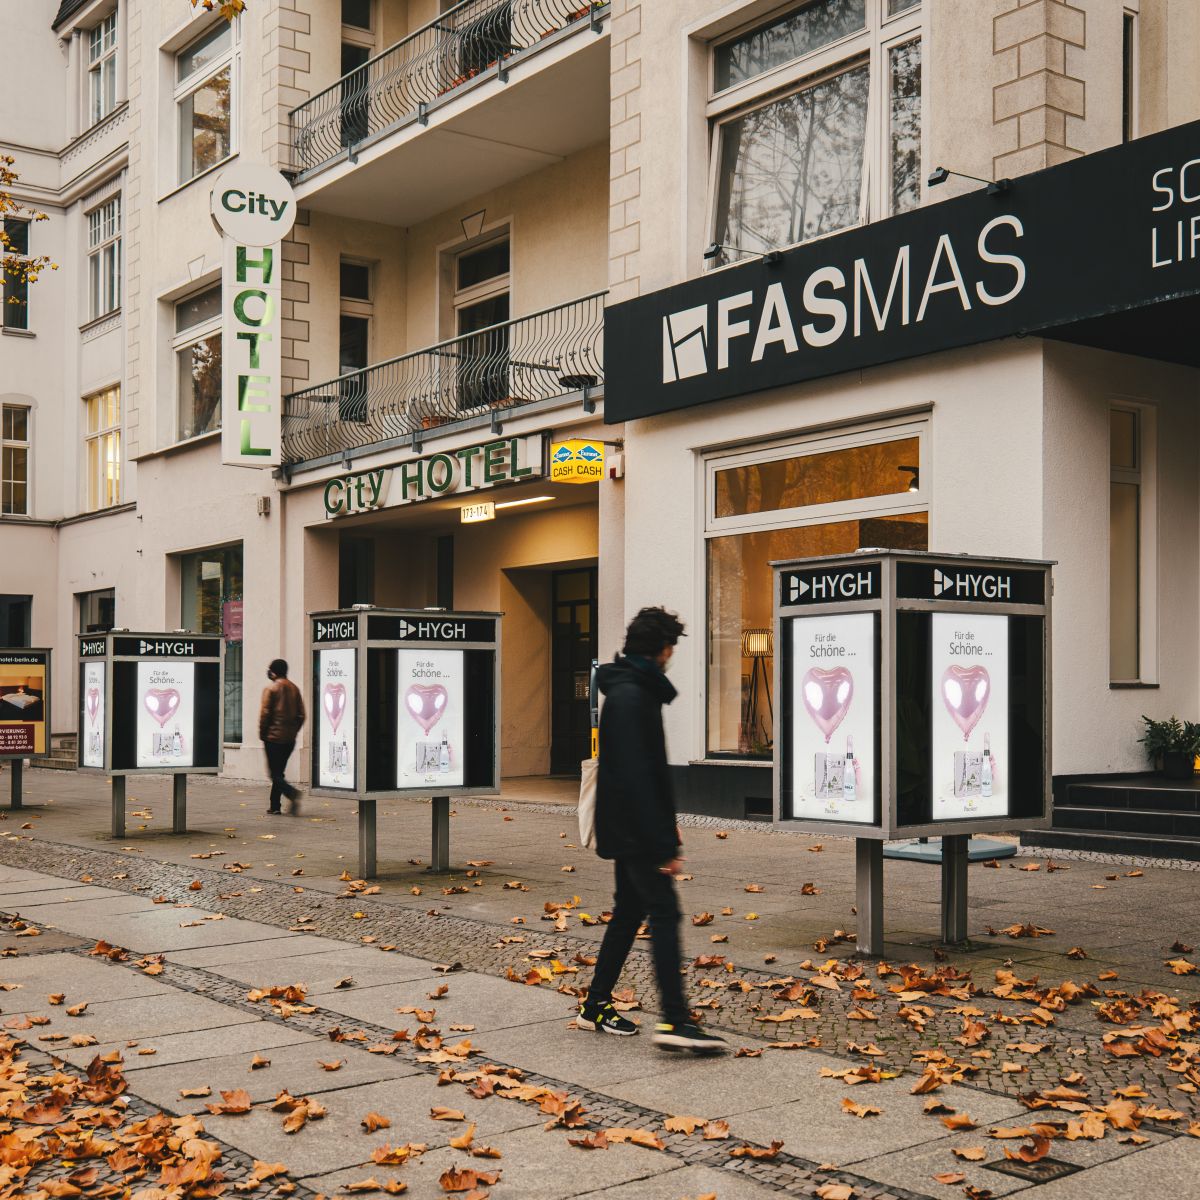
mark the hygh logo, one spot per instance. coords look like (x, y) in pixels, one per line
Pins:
(685, 344)
(972, 585)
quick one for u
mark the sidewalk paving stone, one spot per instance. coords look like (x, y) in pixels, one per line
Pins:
(79, 977)
(321, 971)
(283, 945)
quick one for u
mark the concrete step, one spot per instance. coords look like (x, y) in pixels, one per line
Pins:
(1140, 822)
(55, 762)
(1097, 841)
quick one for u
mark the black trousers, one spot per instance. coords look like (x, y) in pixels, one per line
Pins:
(643, 892)
(278, 754)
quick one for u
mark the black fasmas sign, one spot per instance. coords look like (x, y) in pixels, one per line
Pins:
(1105, 233)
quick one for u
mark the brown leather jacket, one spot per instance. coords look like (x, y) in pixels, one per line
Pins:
(282, 712)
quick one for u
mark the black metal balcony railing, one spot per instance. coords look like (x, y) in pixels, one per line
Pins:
(490, 372)
(465, 41)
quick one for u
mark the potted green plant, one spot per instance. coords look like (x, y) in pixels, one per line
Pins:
(1174, 744)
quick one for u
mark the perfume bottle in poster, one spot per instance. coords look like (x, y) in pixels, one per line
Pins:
(336, 718)
(429, 741)
(833, 718)
(970, 715)
(166, 714)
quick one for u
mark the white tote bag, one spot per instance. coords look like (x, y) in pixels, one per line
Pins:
(587, 803)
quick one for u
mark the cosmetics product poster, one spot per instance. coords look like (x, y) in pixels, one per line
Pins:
(970, 716)
(166, 714)
(336, 728)
(429, 742)
(834, 717)
(92, 754)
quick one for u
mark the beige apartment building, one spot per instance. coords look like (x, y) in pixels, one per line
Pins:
(523, 222)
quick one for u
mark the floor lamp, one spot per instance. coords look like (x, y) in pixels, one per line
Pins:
(758, 646)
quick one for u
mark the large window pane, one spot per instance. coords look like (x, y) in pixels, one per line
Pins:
(14, 481)
(200, 387)
(1124, 552)
(196, 309)
(881, 469)
(204, 51)
(785, 38)
(904, 73)
(792, 170)
(212, 602)
(204, 126)
(739, 600)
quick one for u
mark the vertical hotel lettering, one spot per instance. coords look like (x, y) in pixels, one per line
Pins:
(255, 209)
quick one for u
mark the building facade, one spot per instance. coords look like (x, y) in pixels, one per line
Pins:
(483, 187)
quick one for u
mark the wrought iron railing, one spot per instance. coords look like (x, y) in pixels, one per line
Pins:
(489, 372)
(467, 40)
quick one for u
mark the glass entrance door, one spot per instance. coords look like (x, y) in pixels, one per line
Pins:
(573, 646)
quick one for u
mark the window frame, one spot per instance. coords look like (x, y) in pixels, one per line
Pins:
(103, 66)
(1145, 477)
(112, 243)
(22, 284)
(17, 444)
(184, 339)
(95, 443)
(797, 445)
(873, 44)
(486, 289)
(230, 59)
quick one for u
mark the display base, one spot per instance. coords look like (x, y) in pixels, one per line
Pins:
(978, 850)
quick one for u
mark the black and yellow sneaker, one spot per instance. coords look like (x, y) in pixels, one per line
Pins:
(688, 1036)
(604, 1018)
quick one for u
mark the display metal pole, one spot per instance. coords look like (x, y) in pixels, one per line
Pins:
(118, 806)
(366, 839)
(954, 888)
(439, 857)
(179, 804)
(868, 863)
(18, 769)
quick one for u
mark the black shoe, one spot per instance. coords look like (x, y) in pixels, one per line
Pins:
(274, 812)
(294, 804)
(688, 1036)
(604, 1018)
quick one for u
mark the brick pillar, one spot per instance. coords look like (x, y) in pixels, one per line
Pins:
(625, 175)
(1036, 109)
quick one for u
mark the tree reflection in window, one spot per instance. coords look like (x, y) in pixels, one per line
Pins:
(792, 169)
(904, 73)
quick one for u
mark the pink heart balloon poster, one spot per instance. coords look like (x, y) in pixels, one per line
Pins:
(969, 706)
(166, 714)
(336, 730)
(834, 718)
(429, 733)
(91, 750)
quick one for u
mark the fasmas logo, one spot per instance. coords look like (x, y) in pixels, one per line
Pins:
(685, 344)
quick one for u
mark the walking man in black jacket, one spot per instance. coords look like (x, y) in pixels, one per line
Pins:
(636, 826)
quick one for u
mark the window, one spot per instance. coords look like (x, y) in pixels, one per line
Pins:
(1129, 76)
(16, 285)
(103, 448)
(357, 14)
(197, 348)
(104, 258)
(204, 97)
(1130, 539)
(481, 300)
(210, 586)
(816, 123)
(354, 339)
(14, 460)
(102, 68)
(828, 495)
(358, 47)
(97, 610)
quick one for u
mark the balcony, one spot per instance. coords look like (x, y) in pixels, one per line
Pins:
(476, 379)
(489, 91)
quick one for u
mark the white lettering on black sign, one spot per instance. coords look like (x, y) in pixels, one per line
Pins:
(336, 631)
(971, 585)
(175, 649)
(87, 649)
(830, 584)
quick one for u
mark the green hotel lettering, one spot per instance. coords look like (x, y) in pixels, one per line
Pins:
(254, 387)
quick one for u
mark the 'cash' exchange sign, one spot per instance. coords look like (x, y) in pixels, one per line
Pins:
(254, 208)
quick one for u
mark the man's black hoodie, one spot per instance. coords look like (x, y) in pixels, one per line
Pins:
(635, 806)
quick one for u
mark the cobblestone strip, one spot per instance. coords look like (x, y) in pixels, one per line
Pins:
(1070, 1043)
(786, 1173)
(235, 1165)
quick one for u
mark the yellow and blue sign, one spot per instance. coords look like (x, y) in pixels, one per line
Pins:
(576, 461)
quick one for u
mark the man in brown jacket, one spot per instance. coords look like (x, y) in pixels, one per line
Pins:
(279, 721)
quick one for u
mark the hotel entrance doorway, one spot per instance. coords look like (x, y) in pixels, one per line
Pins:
(573, 646)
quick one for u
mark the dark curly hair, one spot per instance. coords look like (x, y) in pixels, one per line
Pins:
(651, 631)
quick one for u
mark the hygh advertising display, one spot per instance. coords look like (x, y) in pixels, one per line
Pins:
(336, 684)
(970, 716)
(165, 714)
(834, 718)
(429, 740)
(22, 702)
(91, 748)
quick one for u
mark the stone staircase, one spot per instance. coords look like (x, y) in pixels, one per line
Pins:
(62, 756)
